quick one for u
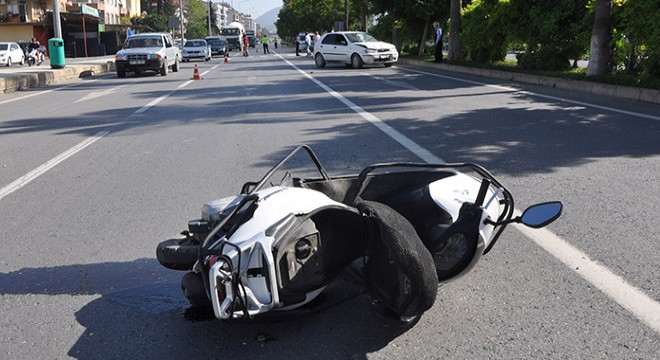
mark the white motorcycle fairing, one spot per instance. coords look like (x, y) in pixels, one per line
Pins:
(277, 254)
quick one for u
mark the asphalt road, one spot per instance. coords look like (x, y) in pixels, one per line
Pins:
(94, 173)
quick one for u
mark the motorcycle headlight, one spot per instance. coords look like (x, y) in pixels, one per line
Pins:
(454, 249)
(455, 253)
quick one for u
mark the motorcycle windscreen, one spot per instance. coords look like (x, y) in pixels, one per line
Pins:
(311, 250)
(400, 270)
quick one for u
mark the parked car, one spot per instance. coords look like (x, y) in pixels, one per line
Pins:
(148, 52)
(218, 45)
(354, 48)
(11, 53)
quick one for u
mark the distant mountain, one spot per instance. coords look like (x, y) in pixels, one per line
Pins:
(268, 19)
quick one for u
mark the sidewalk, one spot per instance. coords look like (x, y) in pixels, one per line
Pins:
(18, 77)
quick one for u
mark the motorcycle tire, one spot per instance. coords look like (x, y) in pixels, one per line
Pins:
(178, 254)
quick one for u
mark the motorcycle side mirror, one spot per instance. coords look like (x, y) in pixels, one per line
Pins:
(536, 216)
(540, 215)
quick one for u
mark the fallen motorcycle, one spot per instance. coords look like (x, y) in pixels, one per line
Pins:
(409, 227)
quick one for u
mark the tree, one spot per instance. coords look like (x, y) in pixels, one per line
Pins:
(308, 16)
(484, 36)
(158, 7)
(601, 35)
(151, 23)
(552, 31)
(410, 20)
(639, 35)
(197, 19)
(455, 49)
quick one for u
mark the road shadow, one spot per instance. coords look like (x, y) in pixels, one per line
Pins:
(514, 138)
(140, 314)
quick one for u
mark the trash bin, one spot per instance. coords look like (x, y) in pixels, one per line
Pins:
(56, 50)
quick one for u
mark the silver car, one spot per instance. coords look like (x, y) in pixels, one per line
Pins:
(354, 48)
(196, 49)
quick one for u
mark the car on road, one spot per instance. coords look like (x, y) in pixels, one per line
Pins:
(218, 45)
(148, 52)
(354, 48)
(196, 49)
(302, 43)
(11, 53)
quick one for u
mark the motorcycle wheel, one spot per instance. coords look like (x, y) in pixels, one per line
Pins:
(178, 254)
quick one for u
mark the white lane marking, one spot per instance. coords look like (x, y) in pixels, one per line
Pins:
(184, 84)
(629, 297)
(406, 142)
(96, 94)
(25, 179)
(43, 92)
(152, 103)
(555, 98)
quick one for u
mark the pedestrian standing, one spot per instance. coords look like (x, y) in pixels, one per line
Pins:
(275, 42)
(246, 45)
(308, 41)
(438, 42)
(265, 42)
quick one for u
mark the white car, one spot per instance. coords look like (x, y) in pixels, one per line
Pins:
(11, 53)
(354, 48)
(196, 49)
(147, 52)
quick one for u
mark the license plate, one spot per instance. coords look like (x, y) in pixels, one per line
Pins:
(136, 62)
(385, 56)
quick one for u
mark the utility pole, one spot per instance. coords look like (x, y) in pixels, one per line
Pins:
(180, 19)
(345, 15)
(57, 26)
(209, 16)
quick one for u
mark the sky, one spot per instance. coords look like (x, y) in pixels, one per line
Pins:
(255, 8)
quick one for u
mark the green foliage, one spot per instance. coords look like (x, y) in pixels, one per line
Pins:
(308, 16)
(408, 19)
(484, 35)
(553, 30)
(638, 37)
(151, 23)
(197, 26)
(158, 7)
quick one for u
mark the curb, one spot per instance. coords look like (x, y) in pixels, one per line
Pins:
(624, 92)
(20, 81)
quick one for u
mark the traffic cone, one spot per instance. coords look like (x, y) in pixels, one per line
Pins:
(226, 57)
(196, 74)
